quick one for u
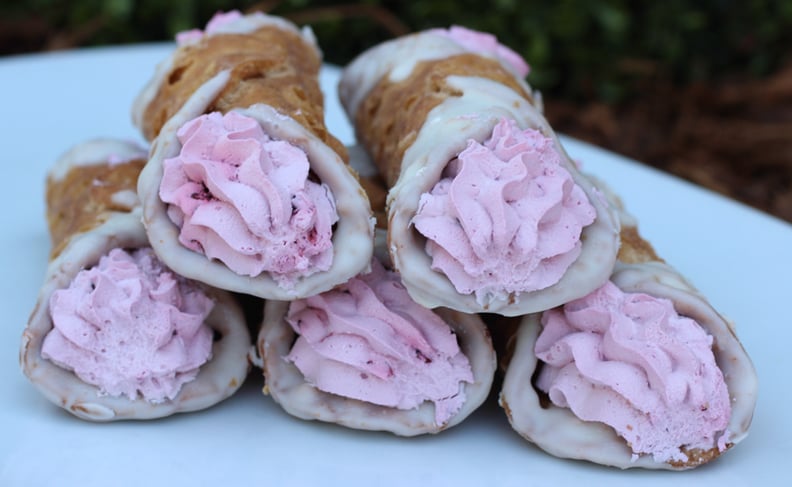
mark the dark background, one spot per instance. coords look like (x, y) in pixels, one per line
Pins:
(701, 89)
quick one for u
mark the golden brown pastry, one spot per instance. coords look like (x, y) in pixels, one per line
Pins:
(114, 334)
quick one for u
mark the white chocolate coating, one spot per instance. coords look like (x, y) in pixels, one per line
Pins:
(396, 59)
(95, 152)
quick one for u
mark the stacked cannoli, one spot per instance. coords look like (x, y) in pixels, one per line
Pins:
(115, 334)
(365, 355)
(609, 354)
(486, 211)
(236, 120)
(245, 189)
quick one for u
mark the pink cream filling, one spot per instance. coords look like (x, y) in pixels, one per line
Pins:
(245, 199)
(630, 361)
(487, 44)
(505, 217)
(218, 20)
(368, 340)
(130, 327)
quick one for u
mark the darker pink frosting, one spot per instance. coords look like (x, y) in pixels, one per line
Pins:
(368, 340)
(246, 200)
(506, 216)
(487, 44)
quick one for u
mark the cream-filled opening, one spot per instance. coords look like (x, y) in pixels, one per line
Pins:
(248, 200)
(631, 361)
(368, 340)
(505, 216)
(130, 327)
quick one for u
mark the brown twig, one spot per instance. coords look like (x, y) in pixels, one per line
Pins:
(77, 36)
(381, 16)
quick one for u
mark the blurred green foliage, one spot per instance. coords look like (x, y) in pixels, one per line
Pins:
(597, 49)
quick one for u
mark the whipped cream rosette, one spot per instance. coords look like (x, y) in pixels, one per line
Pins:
(115, 334)
(642, 372)
(486, 211)
(366, 356)
(245, 189)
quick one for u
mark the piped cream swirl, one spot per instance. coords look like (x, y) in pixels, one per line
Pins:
(630, 361)
(369, 340)
(130, 327)
(505, 217)
(245, 199)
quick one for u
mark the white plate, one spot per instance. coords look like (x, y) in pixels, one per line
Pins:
(738, 257)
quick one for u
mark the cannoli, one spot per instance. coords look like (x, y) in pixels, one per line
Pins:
(245, 189)
(115, 334)
(366, 356)
(643, 372)
(486, 211)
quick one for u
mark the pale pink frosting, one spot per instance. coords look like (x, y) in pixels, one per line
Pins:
(487, 44)
(505, 217)
(218, 20)
(130, 327)
(630, 361)
(245, 199)
(368, 340)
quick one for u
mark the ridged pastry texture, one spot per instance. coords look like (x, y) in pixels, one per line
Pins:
(84, 188)
(92, 209)
(272, 64)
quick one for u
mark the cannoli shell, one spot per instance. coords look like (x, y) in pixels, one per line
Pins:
(559, 432)
(352, 235)
(416, 103)
(264, 68)
(92, 209)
